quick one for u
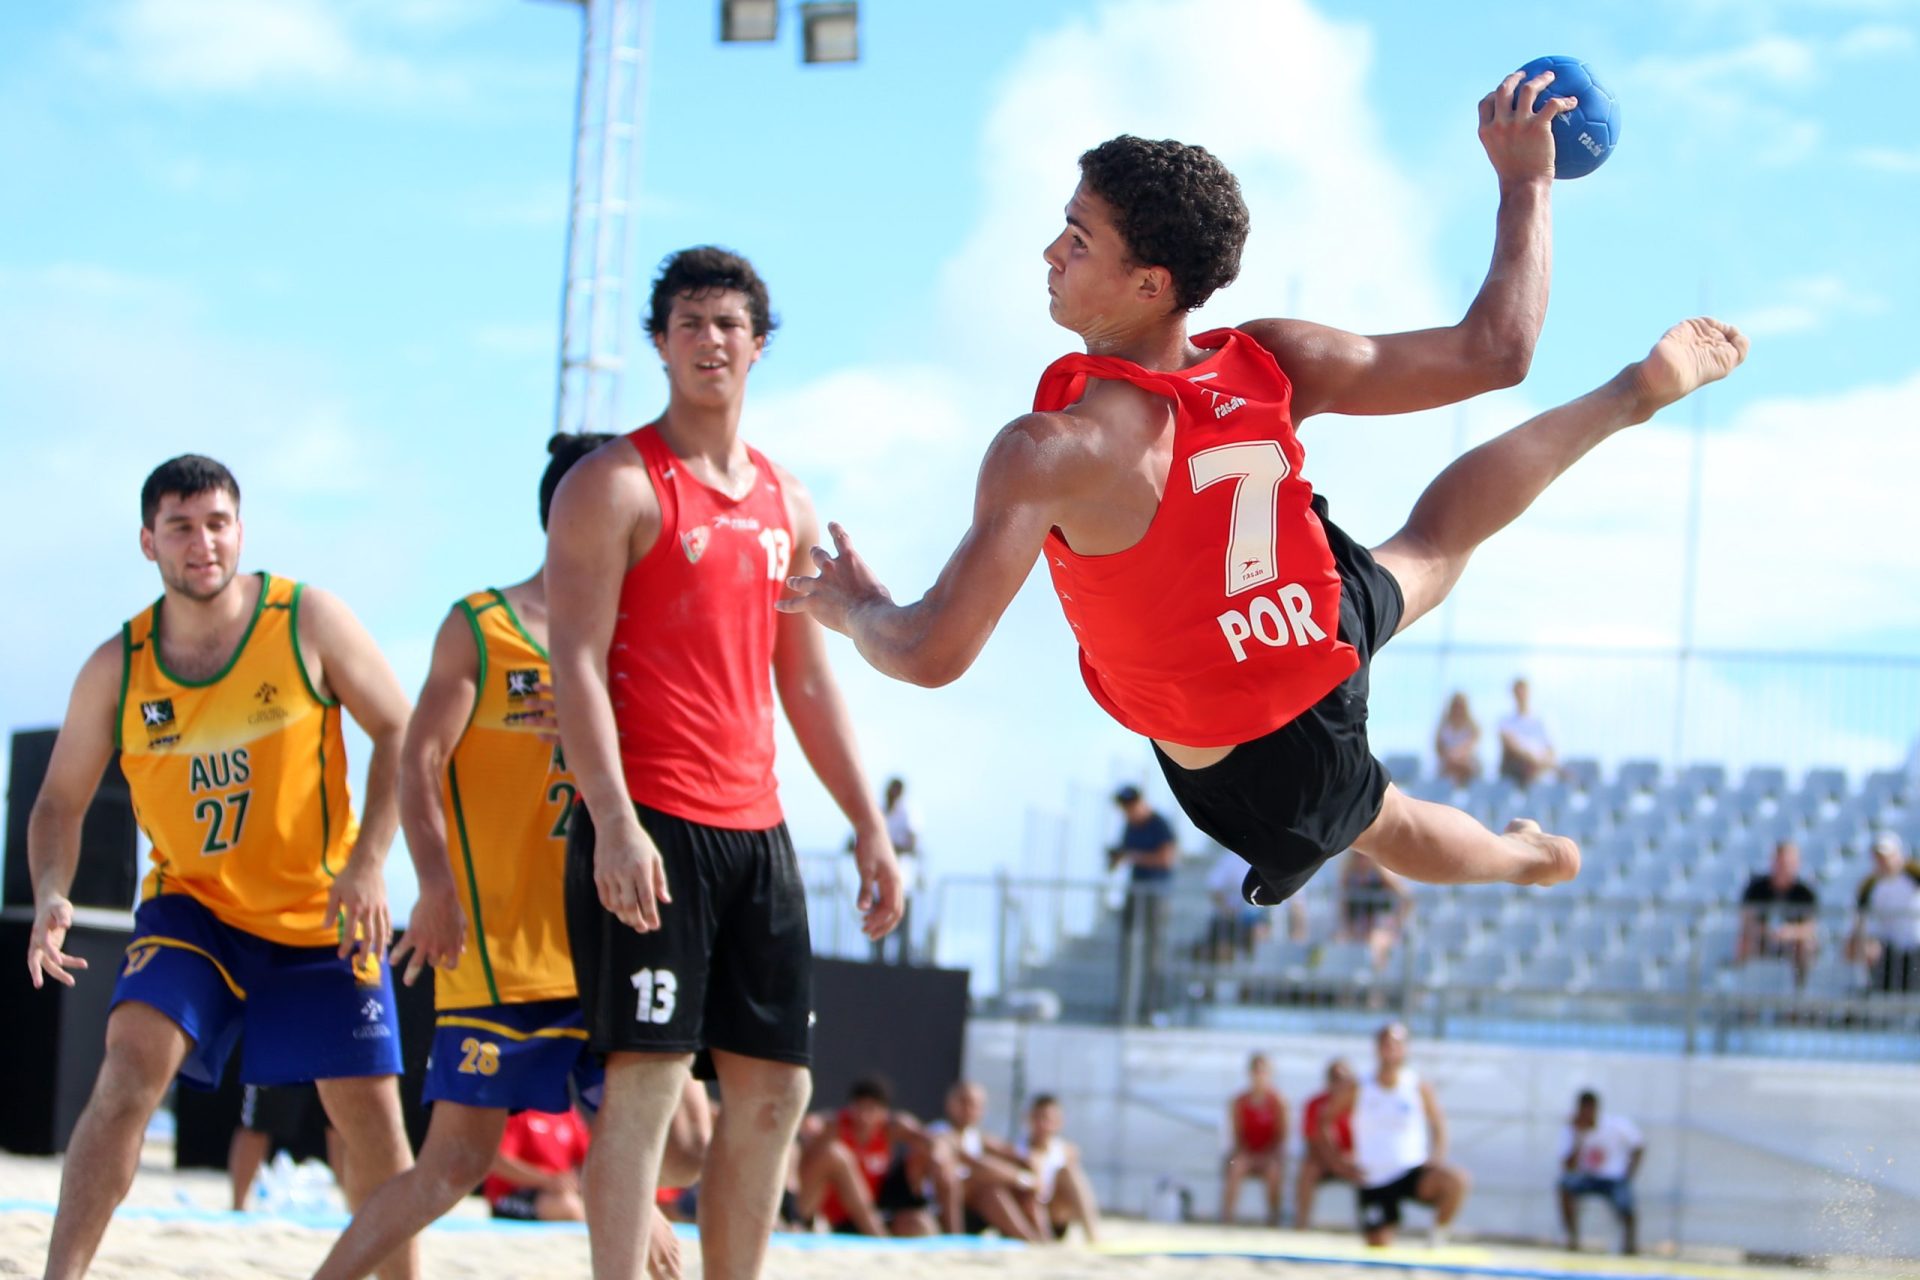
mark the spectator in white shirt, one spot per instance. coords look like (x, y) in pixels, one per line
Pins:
(904, 830)
(1599, 1157)
(1886, 932)
(1526, 752)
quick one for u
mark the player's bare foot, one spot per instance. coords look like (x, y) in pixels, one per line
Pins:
(1687, 357)
(1555, 859)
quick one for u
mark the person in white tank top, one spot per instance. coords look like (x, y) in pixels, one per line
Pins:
(1062, 1194)
(1400, 1145)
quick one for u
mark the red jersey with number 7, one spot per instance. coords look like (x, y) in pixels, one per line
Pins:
(689, 671)
(1223, 622)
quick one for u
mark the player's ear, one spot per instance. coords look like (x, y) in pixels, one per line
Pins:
(660, 346)
(147, 547)
(759, 346)
(1156, 285)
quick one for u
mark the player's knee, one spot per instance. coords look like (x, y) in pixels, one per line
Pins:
(458, 1169)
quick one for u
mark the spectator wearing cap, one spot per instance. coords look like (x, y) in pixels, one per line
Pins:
(1886, 926)
(1148, 851)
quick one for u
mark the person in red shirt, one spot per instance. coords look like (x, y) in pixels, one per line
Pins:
(1257, 1117)
(536, 1172)
(685, 910)
(1219, 610)
(1326, 1124)
(866, 1167)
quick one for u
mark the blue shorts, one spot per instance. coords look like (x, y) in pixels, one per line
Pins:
(307, 1014)
(516, 1056)
(1616, 1191)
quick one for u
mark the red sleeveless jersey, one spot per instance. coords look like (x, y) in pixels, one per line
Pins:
(1223, 622)
(874, 1154)
(690, 667)
(1258, 1120)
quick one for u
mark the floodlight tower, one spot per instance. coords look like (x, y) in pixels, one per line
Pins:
(606, 144)
(606, 148)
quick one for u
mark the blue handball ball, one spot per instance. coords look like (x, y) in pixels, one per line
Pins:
(1584, 137)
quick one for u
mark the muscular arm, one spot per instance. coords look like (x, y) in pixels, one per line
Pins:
(604, 516)
(437, 932)
(80, 756)
(1333, 371)
(344, 663)
(931, 642)
(824, 731)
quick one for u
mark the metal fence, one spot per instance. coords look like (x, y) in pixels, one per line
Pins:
(1489, 963)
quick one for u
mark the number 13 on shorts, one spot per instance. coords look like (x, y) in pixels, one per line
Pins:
(657, 989)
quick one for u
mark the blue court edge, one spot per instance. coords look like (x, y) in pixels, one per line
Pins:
(1415, 1264)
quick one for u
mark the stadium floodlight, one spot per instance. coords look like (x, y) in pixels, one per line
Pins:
(831, 31)
(743, 21)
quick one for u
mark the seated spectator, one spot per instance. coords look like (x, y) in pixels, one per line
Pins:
(1326, 1123)
(1886, 930)
(1257, 1121)
(1526, 750)
(1062, 1195)
(1599, 1157)
(536, 1171)
(1456, 743)
(865, 1167)
(1778, 915)
(1400, 1145)
(1374, 903)
(990, 1184)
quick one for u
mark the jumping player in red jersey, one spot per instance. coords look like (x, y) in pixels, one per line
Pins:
(666, 551)
(1166, 466)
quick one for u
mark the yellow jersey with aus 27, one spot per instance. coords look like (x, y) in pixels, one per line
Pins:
(239, 780)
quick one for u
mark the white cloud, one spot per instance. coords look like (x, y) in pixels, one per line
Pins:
(1888, 159)
(1874, 40)
(229, 47)
(1807, 305)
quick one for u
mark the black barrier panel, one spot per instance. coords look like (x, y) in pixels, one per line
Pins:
(55, 1035)
(106, 876)
(905, 1023)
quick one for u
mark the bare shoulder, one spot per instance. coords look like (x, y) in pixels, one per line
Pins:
(1054, 451)
(802, 516)
(322, 612)
(98, 683)
(614, 477)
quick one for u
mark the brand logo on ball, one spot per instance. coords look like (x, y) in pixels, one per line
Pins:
(694, 543)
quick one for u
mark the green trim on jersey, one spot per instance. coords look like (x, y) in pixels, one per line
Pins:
(159, 650)
(126, 682)
(326, 810)
(473, 882)
(519, 626)
(300, 659)
(459, 810)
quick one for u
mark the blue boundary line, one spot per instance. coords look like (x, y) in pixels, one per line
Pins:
(336, 1222)
(1399, 1264)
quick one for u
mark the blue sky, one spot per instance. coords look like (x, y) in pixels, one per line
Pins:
(322, 239)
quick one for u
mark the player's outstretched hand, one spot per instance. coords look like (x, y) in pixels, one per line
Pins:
(882, 890)
(629, 875)
(357, 902)
(1519, 140)
(436, 933)
(1687, 357)
(45, 959)
(842, 584)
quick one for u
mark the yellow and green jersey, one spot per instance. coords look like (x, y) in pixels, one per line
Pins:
(240, 780)
(508, 797)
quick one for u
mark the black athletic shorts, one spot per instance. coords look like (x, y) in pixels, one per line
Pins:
(1380, 1206)
(731, 965)
(282, 1111)
(1289, 801)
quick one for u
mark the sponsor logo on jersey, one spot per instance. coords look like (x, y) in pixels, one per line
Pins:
(523, 683)
(268, 713)
(157, 718)
(371, 1009)
(694, 542)
(266, 693)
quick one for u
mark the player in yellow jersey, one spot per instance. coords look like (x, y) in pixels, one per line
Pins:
(265, 908)
(485, 797)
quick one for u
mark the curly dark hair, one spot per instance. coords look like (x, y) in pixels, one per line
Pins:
(187, 476)
(703, 269)
(1176, 207)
